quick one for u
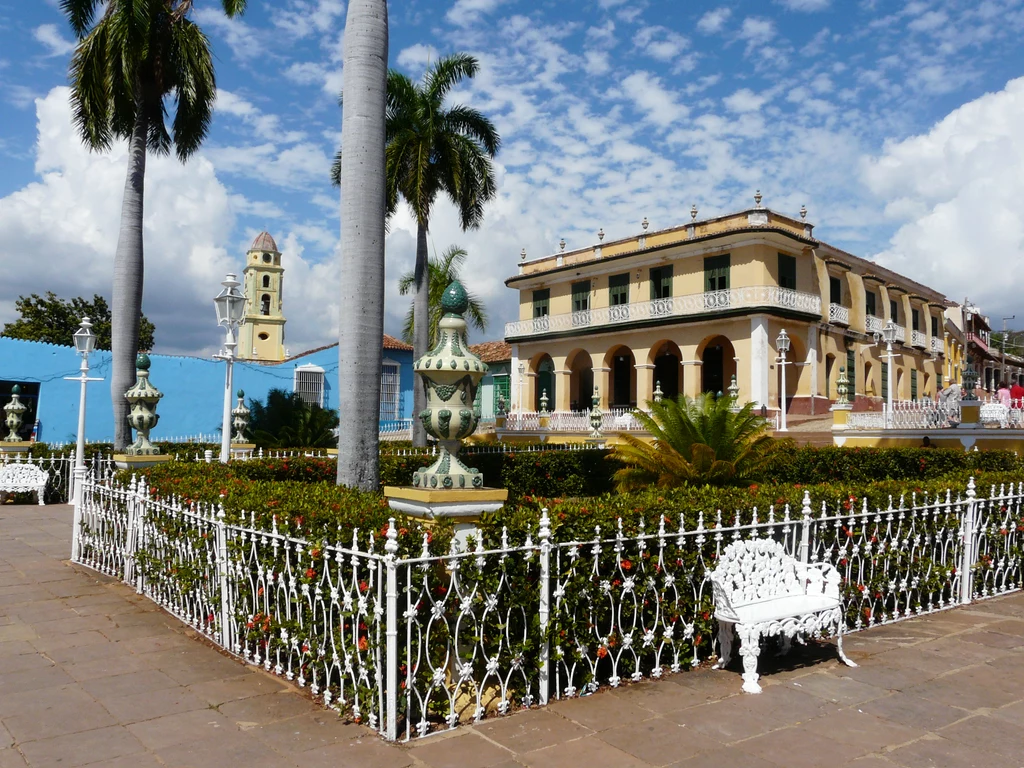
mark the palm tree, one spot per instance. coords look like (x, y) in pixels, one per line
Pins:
(442, 272)
(139, 54)
(432, 149)
(696, 442)
(363, 211)
(288, 421)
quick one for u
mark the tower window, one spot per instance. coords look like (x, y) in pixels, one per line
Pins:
(265, 304)
(266, 258)
(263, 336)
(266, 281)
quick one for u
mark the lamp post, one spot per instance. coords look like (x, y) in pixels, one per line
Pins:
(522, 372)
(888, 336)
(782, 344)
(230, 305)
(85, 343)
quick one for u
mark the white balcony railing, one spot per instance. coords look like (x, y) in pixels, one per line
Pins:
(874, 324)
(917, 339)
(937, 346)
(901, 334)
(751, 297)
(838, 314)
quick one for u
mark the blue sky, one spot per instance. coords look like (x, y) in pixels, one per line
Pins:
(899, 124)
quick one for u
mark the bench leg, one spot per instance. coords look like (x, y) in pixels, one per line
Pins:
(787, 645)
(750, 638)
(841, 623)
(726, 634)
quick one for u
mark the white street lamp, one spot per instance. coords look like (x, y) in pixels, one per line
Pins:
(522, 372)
(85, 343)
(782, 344)
(888, 336)
(230, 305)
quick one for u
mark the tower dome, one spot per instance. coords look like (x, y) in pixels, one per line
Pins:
(263, 242)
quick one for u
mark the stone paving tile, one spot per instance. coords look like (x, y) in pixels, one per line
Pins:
(994, 639)
(146, 706)
(308, 731)
(852, 726)
(365, 753)
(963, 689)
(222, 750)
(217, 692)
(72, 712)
(97, 746)
(260, 710)
(729, 757)
(907, 709)
(988, 734)
(113, 687)
(461, 750)
(658, 697)
(661, 741)
(600, 711)
(535, 729)
(936, 752)
(838, 690)
(180, 728)
(589, 751)
(800, 748)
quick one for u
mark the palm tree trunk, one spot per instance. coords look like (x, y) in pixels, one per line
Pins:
(420, 330)
(126, 300)
(363, 207)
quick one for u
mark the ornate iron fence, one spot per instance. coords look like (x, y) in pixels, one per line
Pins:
(424, 641)
(60, 473)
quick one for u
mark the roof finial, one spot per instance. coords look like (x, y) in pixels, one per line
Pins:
(645, 223)
(561, 244)
(522, 255)
(757, 198)
(803, 211)
(600, 234)
(693, 212)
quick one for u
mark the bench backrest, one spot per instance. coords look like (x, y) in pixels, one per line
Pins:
(19, 475)
(755, 570)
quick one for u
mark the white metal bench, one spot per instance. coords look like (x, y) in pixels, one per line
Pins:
(761, 591)
(994, 413)
(23, 478)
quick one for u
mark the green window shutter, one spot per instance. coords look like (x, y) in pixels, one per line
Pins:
(885, 382)
(618, 289)
(661, 282)
(541, 302)
(869, 302)
(787, 271)
(913, 385)
(581, 296)
(938, 383)
(851, 373)
(502, 390)
(716, 273)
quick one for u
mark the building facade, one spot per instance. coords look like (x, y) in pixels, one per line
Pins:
(688, 308)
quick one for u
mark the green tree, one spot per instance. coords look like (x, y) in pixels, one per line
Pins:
(138, 56)
(363, 212)
(434, 149)
(54, 320)
(288, 421)
(442, 271)
(700, 441)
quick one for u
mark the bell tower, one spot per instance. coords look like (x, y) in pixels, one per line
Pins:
(261, 337)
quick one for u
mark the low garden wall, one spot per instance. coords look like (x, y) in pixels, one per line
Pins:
(392, 625)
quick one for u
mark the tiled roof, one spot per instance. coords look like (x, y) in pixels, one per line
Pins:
(390, 342)
(492, 351)
(263, 242)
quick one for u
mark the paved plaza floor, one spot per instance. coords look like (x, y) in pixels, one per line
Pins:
(93, 674)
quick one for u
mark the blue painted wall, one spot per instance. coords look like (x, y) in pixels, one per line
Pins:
(193, 388)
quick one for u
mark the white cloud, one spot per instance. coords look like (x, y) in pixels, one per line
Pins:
(264, 126)
(713, 21)
(660, 43)
(660, 105)
(418, 56)
(744, 100)
(65, 226)
(804, 5)
(302, 18)
(466, 12)
(50, 38)
(295, 167)
(955, 191)
(757, 31)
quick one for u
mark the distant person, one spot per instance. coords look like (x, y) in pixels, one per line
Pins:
(926, 442)
(1003, 393)
(1017, 394)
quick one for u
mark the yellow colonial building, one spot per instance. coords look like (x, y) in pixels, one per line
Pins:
(686, 309)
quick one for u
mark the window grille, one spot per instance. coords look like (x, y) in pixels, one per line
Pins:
(390, 391)
(309, 384)
(502, 390)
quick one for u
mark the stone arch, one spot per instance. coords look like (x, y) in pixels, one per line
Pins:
(718, 363)
(666, 357)
(581, 379)
(869, 384)
(831, 377)
(621, 363)
(543, 368)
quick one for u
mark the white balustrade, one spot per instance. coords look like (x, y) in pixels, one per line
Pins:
(901, 334)
(750, 297)
(937, 346)
(917, 339)
(838, 314)
(873, 324)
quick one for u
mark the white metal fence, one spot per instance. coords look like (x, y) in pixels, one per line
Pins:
(389, 631)
(60, 471)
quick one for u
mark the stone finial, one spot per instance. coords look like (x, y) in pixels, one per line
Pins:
(522, 255)
(693, 212)
(596, 415)
(803, 212)
(734, 389)
(842, 387)
(658, 394)
(970, 378)
(757, 199)
(142, 399)
(501, 407)
(561, 245)
(600, 234)
(452, 374)
(543, 402)
(645, 224)
(15, 414)
(240, 419)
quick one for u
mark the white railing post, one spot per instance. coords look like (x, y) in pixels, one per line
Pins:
(76, 520)
(545, 604)
(391, 632)
(226, 609)
(805, 529)
(129, 533)
(969, 542)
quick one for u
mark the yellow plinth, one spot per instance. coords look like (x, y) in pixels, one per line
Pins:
(124, 461)
(15, 446)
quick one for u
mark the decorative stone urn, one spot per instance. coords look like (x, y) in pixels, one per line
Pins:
(658, 394)
(596, 416)
(15, 413)
(143, 398)
(451, 374)
(841, 408)
(240, 419)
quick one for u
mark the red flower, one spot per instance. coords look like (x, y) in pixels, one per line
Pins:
(602, 652)
(310, 573)
(627, 565)
(363, 643)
